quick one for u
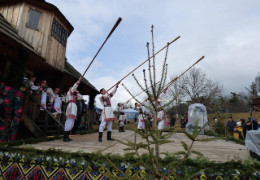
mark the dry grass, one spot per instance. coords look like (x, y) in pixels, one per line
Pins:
(235, 116)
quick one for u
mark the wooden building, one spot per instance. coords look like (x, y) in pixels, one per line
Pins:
(42, 25)
(33, 40)
(256, 103)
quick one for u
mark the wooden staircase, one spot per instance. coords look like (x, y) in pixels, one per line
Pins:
(40, 122)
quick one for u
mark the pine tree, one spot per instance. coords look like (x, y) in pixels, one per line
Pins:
(153, 137)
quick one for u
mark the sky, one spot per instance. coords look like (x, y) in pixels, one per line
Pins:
(226, 32)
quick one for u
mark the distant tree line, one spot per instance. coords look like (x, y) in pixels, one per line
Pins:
(197, 87)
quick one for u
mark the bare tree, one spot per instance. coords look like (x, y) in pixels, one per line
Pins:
(199, 88)
(176, 93)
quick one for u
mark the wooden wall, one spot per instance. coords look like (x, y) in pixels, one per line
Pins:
(41, 40)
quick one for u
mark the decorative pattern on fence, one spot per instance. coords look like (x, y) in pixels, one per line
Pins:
(19, 168)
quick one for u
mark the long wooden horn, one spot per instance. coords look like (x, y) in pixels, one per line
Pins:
(146, 60)
(175, 79)
(140, 93)
(112, 30)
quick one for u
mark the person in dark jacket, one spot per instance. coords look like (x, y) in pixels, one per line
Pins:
(243, 125)
(182, 121)
(172, 121)
(251, 124)
(231, 124)
(80, 105)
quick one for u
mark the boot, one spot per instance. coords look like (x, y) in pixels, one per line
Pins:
(109, 136)
(123, 129)
(100, 136)
(69, 136)
(66, 136)
(120, 129)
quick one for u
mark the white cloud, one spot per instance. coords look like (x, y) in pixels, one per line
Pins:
(226, 32)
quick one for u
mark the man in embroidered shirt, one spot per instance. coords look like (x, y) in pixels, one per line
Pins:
(42, 89)
(71, 111)
(107, 116)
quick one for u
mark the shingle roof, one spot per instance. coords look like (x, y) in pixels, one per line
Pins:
(72, 71)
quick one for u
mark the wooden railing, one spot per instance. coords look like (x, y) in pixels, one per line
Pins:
(40, 120)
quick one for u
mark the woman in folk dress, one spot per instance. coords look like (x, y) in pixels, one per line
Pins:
(141, 120)
(56, 104)
(160, 114)
(120, 108)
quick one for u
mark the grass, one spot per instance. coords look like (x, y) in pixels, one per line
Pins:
(235, 116)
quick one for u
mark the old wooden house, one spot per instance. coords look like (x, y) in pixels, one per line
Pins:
(33, 40)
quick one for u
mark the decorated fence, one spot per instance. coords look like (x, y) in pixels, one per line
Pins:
(11, 106)
(21, 165)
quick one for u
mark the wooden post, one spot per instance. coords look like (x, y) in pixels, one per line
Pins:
(91, 111)
(25, 107)
(34, 111)
(46, 122)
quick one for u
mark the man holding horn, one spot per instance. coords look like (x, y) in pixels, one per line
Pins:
(71, 111)
(107, 116)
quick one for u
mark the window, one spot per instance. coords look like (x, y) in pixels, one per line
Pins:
(34, 18)
(58, 32)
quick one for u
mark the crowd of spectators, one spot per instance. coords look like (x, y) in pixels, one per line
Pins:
(239, 128)
(53, 101)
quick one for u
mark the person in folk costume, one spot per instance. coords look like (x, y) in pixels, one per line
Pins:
(43, 95)
(71, 111)
(80, 105)
(56, 103)
(160, 114)
(121, 107)
(31, 86)
(42, 89)
(50, 98)
(141, 120)
(107, 116)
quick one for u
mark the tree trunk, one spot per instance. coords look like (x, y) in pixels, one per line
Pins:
(91, 111)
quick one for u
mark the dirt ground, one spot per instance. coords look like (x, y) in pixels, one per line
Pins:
(217, 150)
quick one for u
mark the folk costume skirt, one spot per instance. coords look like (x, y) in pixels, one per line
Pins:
(141, 122)
(108, 114)
(71, 111)
(121, 120)
(107, 118)
(160, 118)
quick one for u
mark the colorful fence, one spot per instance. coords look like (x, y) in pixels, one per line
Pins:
(37, 169)
(22, 168)
(11, 106)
